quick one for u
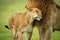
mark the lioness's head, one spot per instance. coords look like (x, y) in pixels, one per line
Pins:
(36, 13)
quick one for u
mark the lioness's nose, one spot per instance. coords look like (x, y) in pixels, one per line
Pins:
(40, 17)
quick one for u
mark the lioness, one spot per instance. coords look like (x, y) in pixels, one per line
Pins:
(20, 23)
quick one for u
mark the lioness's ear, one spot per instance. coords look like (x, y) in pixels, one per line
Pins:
(30, 9)
(27, 7)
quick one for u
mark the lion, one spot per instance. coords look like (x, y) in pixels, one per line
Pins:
(22, 22)
(49, 11)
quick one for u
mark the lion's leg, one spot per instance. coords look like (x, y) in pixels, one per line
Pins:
(41, 33)
(45, 33)
(48, 33)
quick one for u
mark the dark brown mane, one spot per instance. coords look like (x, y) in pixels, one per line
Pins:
(41, 3)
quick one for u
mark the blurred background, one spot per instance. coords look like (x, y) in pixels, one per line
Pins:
(7, 7)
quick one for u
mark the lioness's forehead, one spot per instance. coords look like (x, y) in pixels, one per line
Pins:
(36, 9)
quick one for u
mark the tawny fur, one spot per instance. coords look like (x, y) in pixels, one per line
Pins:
(22, 22)
(49, 11)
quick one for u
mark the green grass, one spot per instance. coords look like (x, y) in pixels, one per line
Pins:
(7, 7)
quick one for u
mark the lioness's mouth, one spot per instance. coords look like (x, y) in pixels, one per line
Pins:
(38, 18)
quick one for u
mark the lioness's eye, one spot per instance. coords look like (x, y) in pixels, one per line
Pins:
(37, 11)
